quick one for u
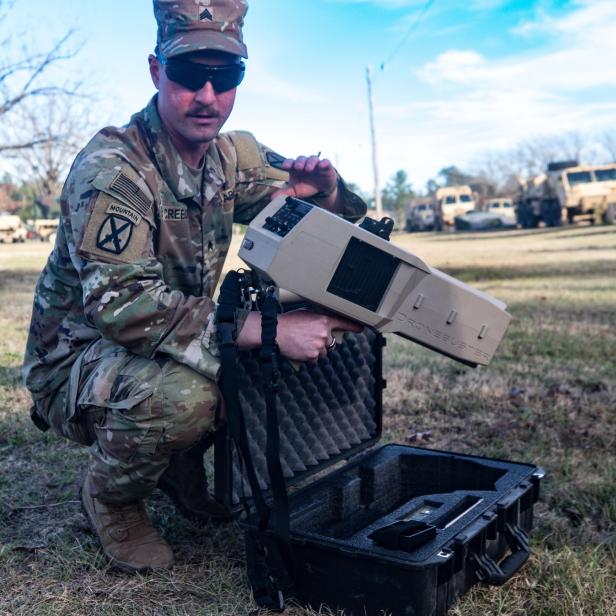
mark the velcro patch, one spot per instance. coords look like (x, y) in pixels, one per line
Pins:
(174, 213)
(126, 212)
(275, 160)
(113, 232)
(127, 188)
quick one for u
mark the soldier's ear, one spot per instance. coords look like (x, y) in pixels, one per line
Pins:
(155, 69)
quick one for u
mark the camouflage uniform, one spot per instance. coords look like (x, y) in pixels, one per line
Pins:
(122, 353)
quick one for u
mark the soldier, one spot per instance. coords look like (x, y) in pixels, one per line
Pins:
(122, 353)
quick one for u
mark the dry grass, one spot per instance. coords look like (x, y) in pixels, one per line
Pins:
(548, 398)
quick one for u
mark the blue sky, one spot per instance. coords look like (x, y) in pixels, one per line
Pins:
(473, 76)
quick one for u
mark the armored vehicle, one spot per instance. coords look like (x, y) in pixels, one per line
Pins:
(12, 229)
(452, 201)
(569, 192)
(421, 216)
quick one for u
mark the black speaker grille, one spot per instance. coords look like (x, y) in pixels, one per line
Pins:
(363, 274)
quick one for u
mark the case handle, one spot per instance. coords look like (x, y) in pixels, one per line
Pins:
(489, 572)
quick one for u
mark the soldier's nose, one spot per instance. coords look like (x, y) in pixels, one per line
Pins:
(206, 95)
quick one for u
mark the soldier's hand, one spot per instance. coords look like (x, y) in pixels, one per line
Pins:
(302, 335)
(306, 336)
(309, 176)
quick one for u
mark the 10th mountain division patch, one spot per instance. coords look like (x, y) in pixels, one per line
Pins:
(114, 234)
(115, 231)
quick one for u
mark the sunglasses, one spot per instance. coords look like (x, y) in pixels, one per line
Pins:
(194, 76)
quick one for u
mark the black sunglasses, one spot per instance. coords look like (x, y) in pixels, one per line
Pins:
(194, 76)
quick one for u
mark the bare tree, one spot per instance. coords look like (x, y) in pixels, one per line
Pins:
(531, 157)
(608, 143)
(25, 77)
(57, 127)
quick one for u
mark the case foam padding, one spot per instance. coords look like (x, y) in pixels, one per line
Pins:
(393, 484)
(326, 410)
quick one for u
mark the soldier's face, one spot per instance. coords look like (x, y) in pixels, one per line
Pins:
(192, 117)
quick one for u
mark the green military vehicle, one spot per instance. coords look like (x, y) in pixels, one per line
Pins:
(568, 192)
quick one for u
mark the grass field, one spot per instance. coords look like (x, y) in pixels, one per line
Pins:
(548, 398)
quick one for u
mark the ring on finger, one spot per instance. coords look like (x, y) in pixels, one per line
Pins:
(332, 344)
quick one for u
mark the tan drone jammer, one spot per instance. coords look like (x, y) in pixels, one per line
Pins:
(355, 273)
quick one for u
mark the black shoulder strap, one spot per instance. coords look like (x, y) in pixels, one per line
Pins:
(272, 562)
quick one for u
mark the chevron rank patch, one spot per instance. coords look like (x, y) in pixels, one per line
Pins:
(114, 232)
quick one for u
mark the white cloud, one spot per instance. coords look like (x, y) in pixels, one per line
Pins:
(581, 58)
(471, 103)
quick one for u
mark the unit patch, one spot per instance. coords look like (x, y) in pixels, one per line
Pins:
(126, 212)
(114, 234)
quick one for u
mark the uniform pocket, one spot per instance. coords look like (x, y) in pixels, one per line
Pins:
(128, 429)
(127, 392)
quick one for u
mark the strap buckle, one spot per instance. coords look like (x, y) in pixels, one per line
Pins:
(227, 332)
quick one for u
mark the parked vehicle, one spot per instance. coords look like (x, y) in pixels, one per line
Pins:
(421, 217)
(12, 229)
(568, 192)
(452, 201)
(483, 221)
(46, 229)
(502, 206)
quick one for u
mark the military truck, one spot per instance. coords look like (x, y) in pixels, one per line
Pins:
(568, 192)
(12, 229)
(46, 229)
(452, 201)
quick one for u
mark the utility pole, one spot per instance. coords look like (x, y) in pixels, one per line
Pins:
(375, 165)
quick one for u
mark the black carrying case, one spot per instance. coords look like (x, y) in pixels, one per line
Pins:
(392, 529)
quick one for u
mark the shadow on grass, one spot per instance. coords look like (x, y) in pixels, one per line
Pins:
(578, 249)
(549, 233)
(586, 269)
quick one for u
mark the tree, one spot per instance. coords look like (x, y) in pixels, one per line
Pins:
(452, 176)
(397, 194)
(57, 128)
(25, 77)
(431, 187)
(608, 142)
(42, 119)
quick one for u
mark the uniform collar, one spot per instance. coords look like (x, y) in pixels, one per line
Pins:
(177, 174)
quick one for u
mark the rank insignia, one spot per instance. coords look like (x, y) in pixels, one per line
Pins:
(114, 234)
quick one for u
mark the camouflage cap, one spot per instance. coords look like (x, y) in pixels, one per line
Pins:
(196, 25)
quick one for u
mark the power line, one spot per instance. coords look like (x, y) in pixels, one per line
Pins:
(412, 28)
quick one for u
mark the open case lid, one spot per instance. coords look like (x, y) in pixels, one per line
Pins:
(327, 411)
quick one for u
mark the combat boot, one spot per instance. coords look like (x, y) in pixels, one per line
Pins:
(184, 481)
(126, 534)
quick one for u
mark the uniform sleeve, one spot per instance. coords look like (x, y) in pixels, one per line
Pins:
(112, 229)
(257, 179)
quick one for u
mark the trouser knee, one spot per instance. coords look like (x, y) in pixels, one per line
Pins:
(187, 404)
